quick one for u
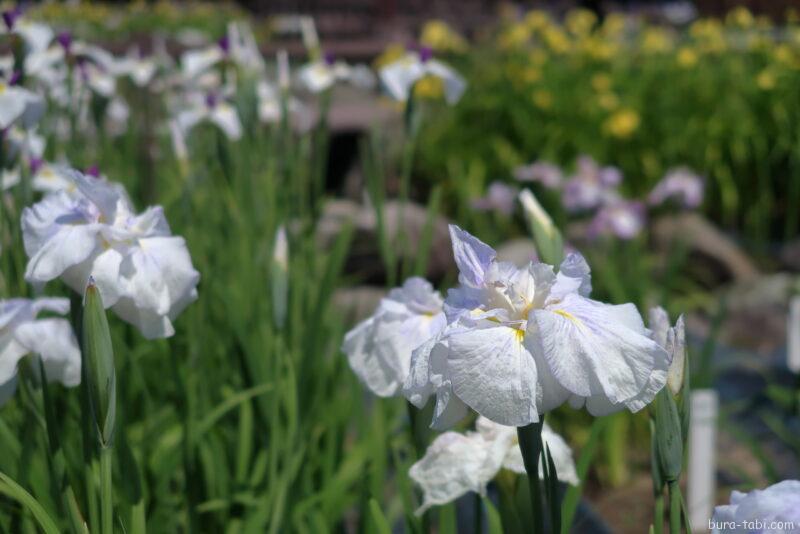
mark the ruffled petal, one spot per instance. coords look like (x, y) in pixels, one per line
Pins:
(595, 349)
(492, 371)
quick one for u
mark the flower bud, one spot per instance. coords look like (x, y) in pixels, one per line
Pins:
(280, 276)
(98, 357)
(549, 242)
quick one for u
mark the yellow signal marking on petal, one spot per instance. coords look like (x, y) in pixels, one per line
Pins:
(2, 88)
(520, 333)
(568, 315)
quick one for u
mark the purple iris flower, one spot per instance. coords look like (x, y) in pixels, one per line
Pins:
(65, 40)
(591, 185)
(211, 100)
(425, 53)
(624, 219)
(547, 174)
(10, 17)
(36, 164)
(499, 197)
(224, 43)
(93, 171)
(681, 185)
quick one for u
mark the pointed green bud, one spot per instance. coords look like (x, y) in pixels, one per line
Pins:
(98, 357)
(280, 276)
(669, 436)
(549, 243)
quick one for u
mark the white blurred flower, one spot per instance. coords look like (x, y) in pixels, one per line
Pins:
(673, 339)
(379, 348)
(140, 69)
(622, 218)
(35, 34)
(143, 272)
(9, 178)
(321, 75)
(521, 342)
(774, 510)
(400, 76)
(50, 339)
(49, 178)
(211, 108)
(455, 463)
(19, 105)
(238, 45)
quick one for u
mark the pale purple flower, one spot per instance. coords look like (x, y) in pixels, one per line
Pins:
(379, 348)
(774, 510)
(681, 185)
(543, 172)
(621, 218)
(590, 186)
(499, 197)
(522, 341)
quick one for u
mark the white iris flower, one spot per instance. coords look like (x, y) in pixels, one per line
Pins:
(50, 339)
(379, 348)
(456, 463)
(521, 342)
(143, 272)
(400, 76)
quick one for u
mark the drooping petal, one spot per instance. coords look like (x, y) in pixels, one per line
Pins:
(400, 76)
(592, 349)
(492, 371)
(224, 115)
(454, 84)
(450, 468)
(54, 342)
(68, 246)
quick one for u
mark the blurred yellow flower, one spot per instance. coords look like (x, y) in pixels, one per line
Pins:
(614, 25)
(622, 123)
(515, 36)
(542, 99)
(531, 75)
(429, 88)
(601, 82)
(580, 21)
(391, 53)
(766, 80)
(539, 56)
(741, 17)
(656, 40)
(537, 19)
(598, 48)
(556, 40)
(439, 36)
(608, 101)
(783, 54)
(687, 58)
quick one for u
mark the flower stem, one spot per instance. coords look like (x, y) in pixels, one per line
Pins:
(106, 497)
(530, 444)
(674, 507)
(658, 515)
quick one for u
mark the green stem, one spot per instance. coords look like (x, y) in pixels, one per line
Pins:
(674, 507)
(658, 515)
(530, 444)
(478, 507)
(106, 497)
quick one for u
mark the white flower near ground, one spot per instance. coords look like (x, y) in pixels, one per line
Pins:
(211, 108)
(379, 348)
(50, 339)
(774, 510)
(456, 463)
(521, 342)
(400, 76)
(673, 339)
(143, 272)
